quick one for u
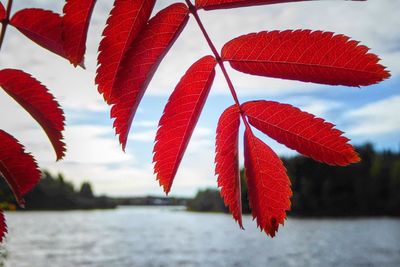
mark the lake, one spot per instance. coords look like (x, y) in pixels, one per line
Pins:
(170, 236)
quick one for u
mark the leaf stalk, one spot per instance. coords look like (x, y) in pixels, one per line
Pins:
(5, 22)
(193, 11)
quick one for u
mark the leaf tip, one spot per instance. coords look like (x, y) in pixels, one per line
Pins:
(21, 203)
(355, 158)
(162, 182)
(81, 64)
(3, 224)
(61, 151)
(123, 139)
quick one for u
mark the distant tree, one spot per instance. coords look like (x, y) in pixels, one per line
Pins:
(369, 188)
(394, 203)
(207, 200)
(86, 190)
(245, 197)
(57, 193)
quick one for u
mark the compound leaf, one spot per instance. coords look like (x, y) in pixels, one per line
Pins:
(141, 62)
(17, 167)
(179, 119)
(304, 55)
(44, 27)
(220, 4)
(3, 13)
(127, 19)
(77, 14)
(301, 131)
(227, 161)
(267, 182)
(41, 105)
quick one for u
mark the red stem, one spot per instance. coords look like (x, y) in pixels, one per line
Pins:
(5, 22)
(193, 11)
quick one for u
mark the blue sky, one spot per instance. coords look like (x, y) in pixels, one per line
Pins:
(365, 114)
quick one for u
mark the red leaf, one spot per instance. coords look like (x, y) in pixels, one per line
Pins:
(126, 20)
(77, 14)
(36, 99)
(18, 167)
(141, 62)
(3, 13)
(268, 184)
(179, 119)
(220, 4)
(3, 225)
(301, 131)
(319, 57)
(227, 162)
(41, 26)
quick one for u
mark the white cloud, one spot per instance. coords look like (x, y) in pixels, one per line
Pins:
(371, 22)
(316, 106)
(377, 118)
(144, 136)
(89, 144)
(92, 153)
(123, 180)
(146, 124)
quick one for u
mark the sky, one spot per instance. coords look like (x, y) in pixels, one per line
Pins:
(367, 114)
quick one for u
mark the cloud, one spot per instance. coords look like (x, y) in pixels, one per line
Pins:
(90, 144)
(319, 107)
(102, 162)
(94, 153)
(149, 135)
(368, 21)
(144, 136)
(376, 119)
(146, 124)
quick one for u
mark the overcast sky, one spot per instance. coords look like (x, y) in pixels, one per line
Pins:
(366, 114)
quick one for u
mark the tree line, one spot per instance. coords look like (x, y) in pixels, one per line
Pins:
(54, 192)
(369, 188)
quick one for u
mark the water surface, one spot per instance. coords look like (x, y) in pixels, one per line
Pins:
(159, 236)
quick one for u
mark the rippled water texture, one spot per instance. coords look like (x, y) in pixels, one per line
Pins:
(142, 236)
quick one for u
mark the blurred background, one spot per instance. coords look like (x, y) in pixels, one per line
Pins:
(102, 207)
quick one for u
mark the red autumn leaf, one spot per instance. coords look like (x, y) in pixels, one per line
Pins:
(3, 13)
(220, 4)
(77, 14)
(268, 184)
(36, 99)
(227, 161)
(141, 62)
(17, 167)
(3, 225)
(319, 57)
(126, 20)
(179, 119)
(41, 26)
(301, 131)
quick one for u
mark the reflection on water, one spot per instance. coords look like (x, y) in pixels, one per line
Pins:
(155, 236)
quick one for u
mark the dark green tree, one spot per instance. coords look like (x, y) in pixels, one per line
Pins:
(86, 190)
